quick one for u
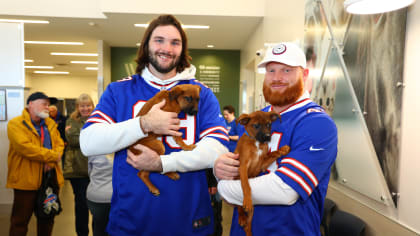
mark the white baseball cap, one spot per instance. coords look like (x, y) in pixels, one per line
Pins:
(286, 53)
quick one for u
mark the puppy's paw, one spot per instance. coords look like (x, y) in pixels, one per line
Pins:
(189, 147)
(242, 220)
(155, 191)
(247, 205)
(173, 175)
(285, 150)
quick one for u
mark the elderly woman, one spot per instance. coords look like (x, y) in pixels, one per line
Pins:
(76, 164)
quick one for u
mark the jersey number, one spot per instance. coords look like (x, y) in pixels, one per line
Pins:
(275, 141)
(187, 126)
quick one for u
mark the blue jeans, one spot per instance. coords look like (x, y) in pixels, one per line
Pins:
(100, 214)
(81, 209)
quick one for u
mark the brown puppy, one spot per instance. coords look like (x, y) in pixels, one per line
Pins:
(184, 98)
(254, 157)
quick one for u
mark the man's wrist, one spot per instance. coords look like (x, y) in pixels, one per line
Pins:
(143, 125)
(159, 166)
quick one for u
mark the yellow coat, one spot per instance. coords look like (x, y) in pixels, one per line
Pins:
(27, 156)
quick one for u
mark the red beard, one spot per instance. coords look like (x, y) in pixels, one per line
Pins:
(291, 95)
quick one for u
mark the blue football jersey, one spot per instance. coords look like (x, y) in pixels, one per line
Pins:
(233, 130)
(312, 137)
(183, 207)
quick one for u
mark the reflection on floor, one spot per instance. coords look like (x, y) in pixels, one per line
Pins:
(64, 223)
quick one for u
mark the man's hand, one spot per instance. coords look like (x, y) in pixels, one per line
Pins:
(226, 166)
(160, 122)
(147, 160)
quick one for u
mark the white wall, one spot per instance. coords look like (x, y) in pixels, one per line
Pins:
(283, 21)
(410, 162)
(63, 86)
(104, 66)
(12, 80)
(63, 8)
(188, 7)
(96, 8)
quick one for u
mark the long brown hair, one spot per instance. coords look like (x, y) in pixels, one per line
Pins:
(143, 52)
(75, 115)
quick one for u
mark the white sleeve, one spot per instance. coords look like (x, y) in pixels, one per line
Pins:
(100, 138)
(202, 157)
(266, 190)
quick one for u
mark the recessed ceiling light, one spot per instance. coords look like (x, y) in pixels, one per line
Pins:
(183, 26)
(74, 54)
(84, 62)
(39, 67)
(210, 46)
(52, 42)
(28, 60)
(51, 72)
(91, 68)
(25, 21)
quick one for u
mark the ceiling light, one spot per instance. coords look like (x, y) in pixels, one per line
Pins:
(51, 42)
(39, 67)
(25, 21)
(28, 60)
(195, 26)
(74, 54)
(51, 72)
(210, 46)
(183, 26)
(91, 68)
(375, 6)
(84, 62)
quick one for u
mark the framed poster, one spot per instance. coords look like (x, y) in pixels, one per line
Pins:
(3, 110)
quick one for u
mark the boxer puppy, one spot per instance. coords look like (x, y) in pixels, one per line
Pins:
(254, 157)
(184, 97)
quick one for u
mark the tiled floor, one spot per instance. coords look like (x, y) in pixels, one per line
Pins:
(64, 223)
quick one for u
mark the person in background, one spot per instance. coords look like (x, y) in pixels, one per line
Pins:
(289, 196)
(99, 191)
(235, 130)
(183, 206)
(35, 146)
(216, 203)
(76, 164)
(61, 124)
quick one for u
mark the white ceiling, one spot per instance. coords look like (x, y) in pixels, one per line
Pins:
(226, 32)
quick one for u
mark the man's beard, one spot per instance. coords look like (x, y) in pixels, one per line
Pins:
(289, 96)
(43, 114)
(154, 62)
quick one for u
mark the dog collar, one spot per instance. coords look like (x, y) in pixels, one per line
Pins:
(249, 135)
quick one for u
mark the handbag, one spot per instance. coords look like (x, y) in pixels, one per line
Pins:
(48, 203)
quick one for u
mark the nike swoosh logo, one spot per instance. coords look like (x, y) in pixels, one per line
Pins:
(315, 149)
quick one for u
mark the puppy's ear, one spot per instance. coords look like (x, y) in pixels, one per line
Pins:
(199, 88)
(175, 92)
(274, 116)
(244, 119)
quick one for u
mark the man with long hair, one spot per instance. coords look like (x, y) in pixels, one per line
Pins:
(289, 195)
(183, 206)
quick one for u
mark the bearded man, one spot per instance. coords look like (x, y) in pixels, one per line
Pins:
(183, 207)
(35, 146)
(289, 195)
